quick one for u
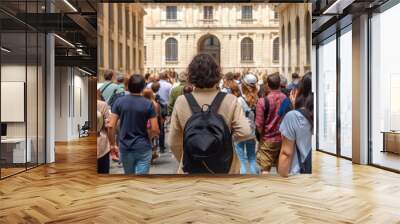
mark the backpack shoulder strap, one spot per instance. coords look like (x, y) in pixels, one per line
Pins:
(105, 87)
(266, 107)
(301, 164)
(194, 106)
(217, 101)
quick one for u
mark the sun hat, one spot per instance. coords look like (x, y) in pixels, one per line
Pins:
(250, 80)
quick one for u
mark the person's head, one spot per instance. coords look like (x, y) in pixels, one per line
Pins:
(249, 89)
(147, 76)
(235, 89)
(187, 89)
(265, 78)
(148, 93)
(108, 75)
(155, 87)
(172, 75)
(283, 81)
(136, 84)
(295, 77)
(204, 72)
(229, 76)
(182, 77)
(120, 78)
(304, 96)
(274, 81)
(304, 90)
(163, 76)
(237, 76)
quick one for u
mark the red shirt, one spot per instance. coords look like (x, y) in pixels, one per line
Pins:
(270, 124)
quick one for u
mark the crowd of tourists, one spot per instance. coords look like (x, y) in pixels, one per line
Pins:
(232, 123)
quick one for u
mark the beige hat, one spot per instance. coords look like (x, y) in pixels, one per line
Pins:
(182, 77)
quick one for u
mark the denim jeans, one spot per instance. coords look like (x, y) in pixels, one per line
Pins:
(247, 148)
(136, 161)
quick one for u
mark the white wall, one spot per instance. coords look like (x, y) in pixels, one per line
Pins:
(71, 102)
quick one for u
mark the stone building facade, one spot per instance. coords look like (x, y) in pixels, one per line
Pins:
(295, 32)
(120, 38)
(240, 36)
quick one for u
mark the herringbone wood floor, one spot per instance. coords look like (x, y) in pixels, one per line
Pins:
(70, 191)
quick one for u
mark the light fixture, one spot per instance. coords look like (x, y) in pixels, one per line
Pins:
(84, 71)
(5, 50)
(70, 5)
(337, 7)
(64, 40)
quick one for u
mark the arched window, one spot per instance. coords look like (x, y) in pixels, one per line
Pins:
(247, 49)
(275, 50)
(171, 49)
(289, 39)
(308, 37)
(297, 41)
(283, 46)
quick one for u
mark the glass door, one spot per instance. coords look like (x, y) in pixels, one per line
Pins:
(327, 93)
(346, 92)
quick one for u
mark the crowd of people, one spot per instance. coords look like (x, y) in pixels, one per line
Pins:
(231, 123)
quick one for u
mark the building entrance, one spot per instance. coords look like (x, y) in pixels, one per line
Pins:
(209, 44)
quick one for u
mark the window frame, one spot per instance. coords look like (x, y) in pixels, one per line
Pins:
(171, 50)
(247, 50)
(171, 15)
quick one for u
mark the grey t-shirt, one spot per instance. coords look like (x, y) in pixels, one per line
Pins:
(296, 127)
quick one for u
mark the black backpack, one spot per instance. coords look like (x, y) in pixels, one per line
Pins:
(207, 140)
(115, 96)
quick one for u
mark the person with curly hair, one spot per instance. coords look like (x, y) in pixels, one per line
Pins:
(246, 150)
(204, 74)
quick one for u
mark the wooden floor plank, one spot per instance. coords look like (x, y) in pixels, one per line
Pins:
(70, 191)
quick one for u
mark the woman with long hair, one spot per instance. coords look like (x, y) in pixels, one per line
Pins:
(248, 101)
(296, 129)
(150, 95)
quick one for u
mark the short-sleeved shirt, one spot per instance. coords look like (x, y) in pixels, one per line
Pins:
(297, 128)
(103, 114)
(134, 112)
(107, 90)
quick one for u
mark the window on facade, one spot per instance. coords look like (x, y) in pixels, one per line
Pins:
(145, 54)
(297, 41)
(276, 15)
(140, 60)
(101, 53)
(128, 58)
(134, 24)
(111, 15)
(289, 46)
(171, 13)
(140, 27)
(308, 38)
(111, 55)
(120, 14)
(208, 13)
(275, 50)
(246, 49)
(134, 58)
(127, 23)
(247, 12)
(171, 49)
(283, 46)
(120, 55)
